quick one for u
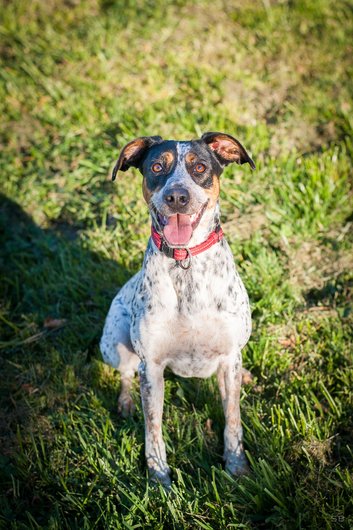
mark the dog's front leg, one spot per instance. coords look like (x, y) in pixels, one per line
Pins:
(229, 377)
(152, 395)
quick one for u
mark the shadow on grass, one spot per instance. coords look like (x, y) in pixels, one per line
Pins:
(337, 293)
(54, 295)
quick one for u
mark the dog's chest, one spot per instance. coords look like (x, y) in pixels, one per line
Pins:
(194, 345)
(188, 320)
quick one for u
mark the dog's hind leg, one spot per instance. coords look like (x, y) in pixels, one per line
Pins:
(117, 351)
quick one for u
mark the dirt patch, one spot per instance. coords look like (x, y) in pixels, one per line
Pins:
(311, 265)
(319, 450)
(244, 226)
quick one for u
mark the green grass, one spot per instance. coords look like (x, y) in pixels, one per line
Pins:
(79, 79)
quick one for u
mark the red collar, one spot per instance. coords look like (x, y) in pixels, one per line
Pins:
(179, 254)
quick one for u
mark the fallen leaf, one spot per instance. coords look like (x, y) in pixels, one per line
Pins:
(208, 426)
(30, 389)
(287, 342)
(246, 377)
(54, 323)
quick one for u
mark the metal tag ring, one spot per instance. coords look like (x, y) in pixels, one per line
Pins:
(188, 258)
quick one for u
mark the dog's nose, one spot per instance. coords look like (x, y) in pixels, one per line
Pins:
(176, 197)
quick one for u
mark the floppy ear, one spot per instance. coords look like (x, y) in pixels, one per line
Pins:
(227, 149)
(133, 152)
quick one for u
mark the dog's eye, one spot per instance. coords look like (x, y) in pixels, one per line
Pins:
(200, 168)
(157, 168)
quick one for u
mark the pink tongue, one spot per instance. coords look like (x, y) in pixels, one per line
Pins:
(178, 229)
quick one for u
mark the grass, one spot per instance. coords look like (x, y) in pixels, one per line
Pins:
(78, 80)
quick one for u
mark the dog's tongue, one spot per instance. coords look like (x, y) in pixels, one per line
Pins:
(178, 230)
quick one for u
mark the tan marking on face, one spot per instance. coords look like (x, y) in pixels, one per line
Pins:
(190, 158)
(213, 192)
(168, 158)
(147, 193)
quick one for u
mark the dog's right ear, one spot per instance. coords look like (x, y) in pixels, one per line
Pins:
(133, 152)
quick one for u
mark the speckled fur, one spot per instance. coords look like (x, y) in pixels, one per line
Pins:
(193, 321)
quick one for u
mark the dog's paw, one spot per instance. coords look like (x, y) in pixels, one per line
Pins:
(160, 477)
(237, 465)
(126, 406)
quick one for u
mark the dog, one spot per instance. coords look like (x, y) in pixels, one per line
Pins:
(187, 308)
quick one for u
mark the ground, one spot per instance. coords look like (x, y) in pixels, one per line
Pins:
(78, 80)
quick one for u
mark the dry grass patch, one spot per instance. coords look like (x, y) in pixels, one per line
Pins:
(311, 265)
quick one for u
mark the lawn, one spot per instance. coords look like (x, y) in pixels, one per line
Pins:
(78, 80)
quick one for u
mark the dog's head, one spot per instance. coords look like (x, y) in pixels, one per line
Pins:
(181, 179)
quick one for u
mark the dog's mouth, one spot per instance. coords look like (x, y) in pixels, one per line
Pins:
(178, 228)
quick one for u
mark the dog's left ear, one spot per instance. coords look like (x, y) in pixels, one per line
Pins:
(227, 149)
(133, 152)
